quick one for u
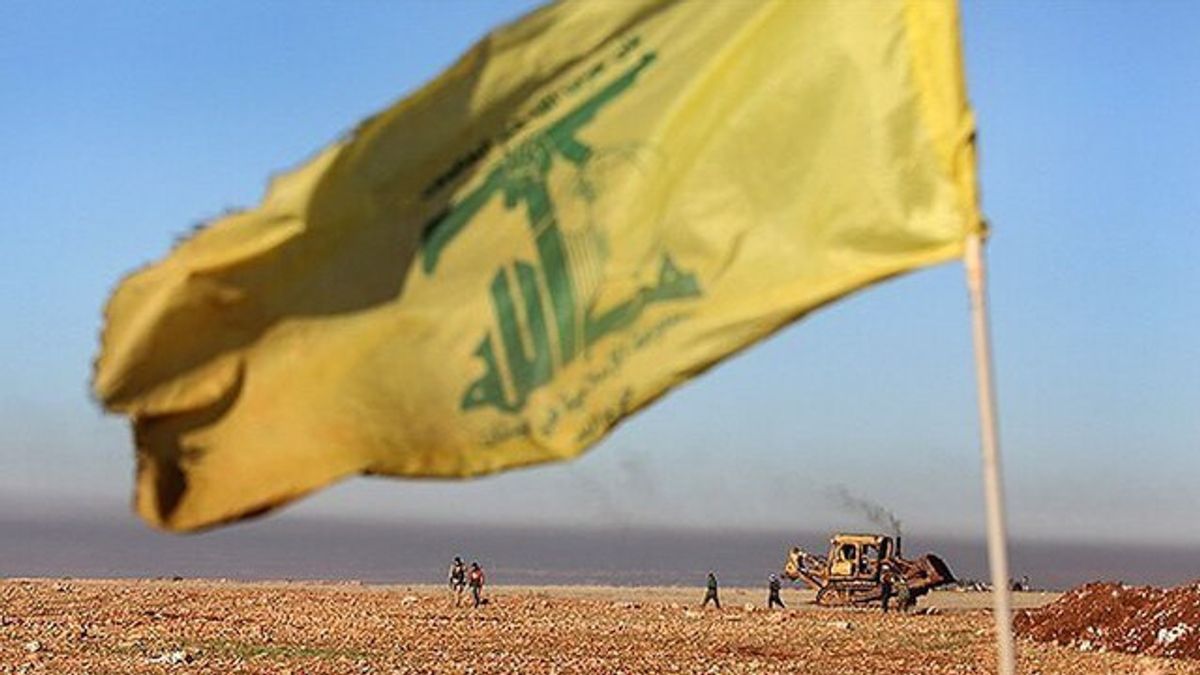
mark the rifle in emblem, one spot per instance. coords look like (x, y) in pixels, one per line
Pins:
(521, 177)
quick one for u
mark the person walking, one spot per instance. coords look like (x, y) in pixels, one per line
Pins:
(475, 580)
(457, 579)
(773, 598)
(711, 592)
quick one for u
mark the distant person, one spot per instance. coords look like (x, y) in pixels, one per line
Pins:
(457, 578)
(711, 592)
(475, 581)
(903, 594)
(773, 598)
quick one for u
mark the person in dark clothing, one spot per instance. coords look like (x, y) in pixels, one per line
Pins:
(457, 578)
(475, 581)
(711, 593)
(773, 598)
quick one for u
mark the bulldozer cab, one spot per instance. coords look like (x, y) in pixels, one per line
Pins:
(858, 556)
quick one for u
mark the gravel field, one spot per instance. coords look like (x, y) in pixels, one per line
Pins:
(77, 626)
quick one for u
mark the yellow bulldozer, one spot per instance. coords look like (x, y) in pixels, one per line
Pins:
(861, 567)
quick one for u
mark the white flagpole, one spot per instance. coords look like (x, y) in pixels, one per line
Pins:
(993, 483)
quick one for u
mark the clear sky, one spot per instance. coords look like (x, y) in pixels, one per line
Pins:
(124, 124)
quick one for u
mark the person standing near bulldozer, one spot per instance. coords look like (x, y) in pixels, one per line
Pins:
(773, 598)
(885, 586)
(903, 594)
(894, 587)
(711, 592)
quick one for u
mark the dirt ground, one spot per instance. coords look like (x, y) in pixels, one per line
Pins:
(73, 626)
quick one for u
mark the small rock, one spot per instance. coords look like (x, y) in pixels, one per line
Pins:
(174, 658)
(844, 625)
(33, 646)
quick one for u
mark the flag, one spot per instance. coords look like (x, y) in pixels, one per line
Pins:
(593, 205)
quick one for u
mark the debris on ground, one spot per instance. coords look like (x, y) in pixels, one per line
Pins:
(172, 658)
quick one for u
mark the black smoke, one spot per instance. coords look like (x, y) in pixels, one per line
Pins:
(876, 513)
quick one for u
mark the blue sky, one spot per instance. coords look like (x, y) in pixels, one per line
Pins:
(123, 125)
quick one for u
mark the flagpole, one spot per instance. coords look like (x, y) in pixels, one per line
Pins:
(993, 483)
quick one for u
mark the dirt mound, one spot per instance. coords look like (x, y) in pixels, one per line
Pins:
(1119, 618)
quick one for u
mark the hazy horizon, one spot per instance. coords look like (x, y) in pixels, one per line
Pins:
(332, 549)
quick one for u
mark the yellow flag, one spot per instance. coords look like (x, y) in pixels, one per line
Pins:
(593, 205)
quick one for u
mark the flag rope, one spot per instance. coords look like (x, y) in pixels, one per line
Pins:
(993, 482)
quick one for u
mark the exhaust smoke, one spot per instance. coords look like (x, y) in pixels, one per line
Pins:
(876, 513)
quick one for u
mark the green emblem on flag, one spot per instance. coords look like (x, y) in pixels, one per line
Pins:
(521, 177)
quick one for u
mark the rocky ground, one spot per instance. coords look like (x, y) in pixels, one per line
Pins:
(1121, 618)
(69, 626)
